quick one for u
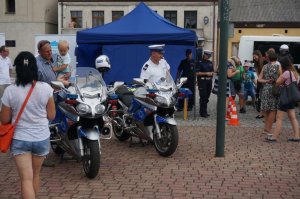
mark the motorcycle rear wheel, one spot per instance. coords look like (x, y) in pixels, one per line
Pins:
(119, 132)
(168, 142)
(91, 158)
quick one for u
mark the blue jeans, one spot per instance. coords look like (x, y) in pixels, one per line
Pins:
(40, 148)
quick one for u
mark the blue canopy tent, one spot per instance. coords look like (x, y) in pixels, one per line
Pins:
(126, 41)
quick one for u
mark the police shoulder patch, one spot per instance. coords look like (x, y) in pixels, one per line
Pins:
(145, 67)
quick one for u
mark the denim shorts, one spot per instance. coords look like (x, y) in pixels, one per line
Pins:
(248, 92)
(39, 148)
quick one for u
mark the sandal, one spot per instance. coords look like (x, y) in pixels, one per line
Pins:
(259, 116)
(294, 140)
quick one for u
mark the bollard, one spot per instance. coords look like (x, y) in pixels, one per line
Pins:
(185, 107)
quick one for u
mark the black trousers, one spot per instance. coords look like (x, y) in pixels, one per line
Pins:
(204, 87)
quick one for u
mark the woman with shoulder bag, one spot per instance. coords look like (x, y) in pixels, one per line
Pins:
(269, 103)
(30, 143)
(288, 76)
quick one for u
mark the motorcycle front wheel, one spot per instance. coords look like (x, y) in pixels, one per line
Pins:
(168, 142)
(91, 158)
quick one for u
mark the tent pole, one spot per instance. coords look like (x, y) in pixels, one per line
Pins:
(195, 78)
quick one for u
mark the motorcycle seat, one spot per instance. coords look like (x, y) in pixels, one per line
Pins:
(125, 95)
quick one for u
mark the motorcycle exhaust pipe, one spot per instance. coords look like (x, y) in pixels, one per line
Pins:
(105, 130)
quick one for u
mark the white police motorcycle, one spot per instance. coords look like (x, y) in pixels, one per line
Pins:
(148, 113)
(81, 118)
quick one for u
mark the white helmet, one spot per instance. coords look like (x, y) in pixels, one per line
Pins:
(284, 47)
(102, 63)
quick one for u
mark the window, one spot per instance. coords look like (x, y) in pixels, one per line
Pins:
(97, 18)
(190, 19)
(171, 16)
(117, 15)
(10, 43)
(10, 6)
(76, 17)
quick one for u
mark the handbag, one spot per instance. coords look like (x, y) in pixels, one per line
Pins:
(275, 90)
(289, 93)
(7, 130)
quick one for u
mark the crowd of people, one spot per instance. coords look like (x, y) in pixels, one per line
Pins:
(257, 78)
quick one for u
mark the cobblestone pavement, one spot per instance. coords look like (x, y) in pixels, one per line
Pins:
(251, 167)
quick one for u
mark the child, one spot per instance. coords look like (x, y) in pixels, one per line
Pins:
(249, 79)
(63, 69)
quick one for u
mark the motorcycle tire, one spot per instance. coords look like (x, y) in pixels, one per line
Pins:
(91, 158)
(54, 146)
(56, 149)
(120, 134)
(167, 144)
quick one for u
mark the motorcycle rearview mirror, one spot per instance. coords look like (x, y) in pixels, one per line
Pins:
(117, 85)
(182, 81)
(139, 81)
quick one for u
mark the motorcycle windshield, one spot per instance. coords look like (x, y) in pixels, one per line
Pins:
(89, 82)
(164, 83)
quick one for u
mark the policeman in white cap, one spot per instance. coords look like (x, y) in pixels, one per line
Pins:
(284, 51)
(204, 71)
(156, 67)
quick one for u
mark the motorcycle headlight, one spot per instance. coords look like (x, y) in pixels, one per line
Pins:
(83, 108)
(160, 100)
(99, 109)
(173, 100)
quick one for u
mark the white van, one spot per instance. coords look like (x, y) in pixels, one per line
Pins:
(250, 43)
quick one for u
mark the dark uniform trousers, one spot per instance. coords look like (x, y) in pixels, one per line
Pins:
(204, 86)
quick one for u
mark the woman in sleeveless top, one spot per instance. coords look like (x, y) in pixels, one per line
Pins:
(269, 102)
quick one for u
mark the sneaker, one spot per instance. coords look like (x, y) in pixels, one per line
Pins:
(242, 110)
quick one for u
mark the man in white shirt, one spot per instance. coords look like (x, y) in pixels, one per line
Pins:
(5, 69)
(156, 67)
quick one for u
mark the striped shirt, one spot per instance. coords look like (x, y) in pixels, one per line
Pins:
(45, 72)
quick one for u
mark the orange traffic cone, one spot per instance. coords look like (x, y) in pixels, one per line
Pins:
(234, 121)
(228, 113)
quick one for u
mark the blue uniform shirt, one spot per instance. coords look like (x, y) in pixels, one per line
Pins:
(204, 66)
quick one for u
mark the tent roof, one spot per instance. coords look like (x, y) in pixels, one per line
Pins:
(141, 25)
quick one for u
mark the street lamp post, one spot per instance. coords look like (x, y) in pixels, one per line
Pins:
(221, 103)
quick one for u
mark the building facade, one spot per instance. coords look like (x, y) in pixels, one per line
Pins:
(20, 20)
(200, 16)
(262, 18)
